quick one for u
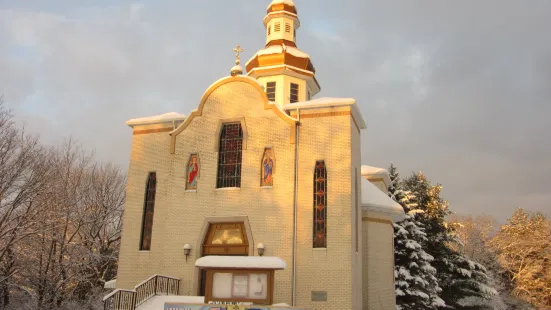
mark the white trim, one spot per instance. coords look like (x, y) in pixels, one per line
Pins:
(222, 189)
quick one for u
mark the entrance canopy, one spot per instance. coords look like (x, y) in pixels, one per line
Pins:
(241, 262)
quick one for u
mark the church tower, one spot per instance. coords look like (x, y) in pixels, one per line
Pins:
(287, 73)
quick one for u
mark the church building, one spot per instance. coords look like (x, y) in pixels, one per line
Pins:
(263, 167)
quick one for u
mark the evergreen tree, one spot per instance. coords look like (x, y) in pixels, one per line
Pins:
(415, 281)
(464, 283)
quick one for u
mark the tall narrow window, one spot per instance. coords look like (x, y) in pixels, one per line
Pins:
(277, 27)
(288, 27)
(149, 207)
(320, 205)
(271, 90)
(229, 156)
(294, 93)
(309, 97)
(269, 29)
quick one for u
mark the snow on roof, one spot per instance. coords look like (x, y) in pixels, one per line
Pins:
(325, 102)
(276, 49)
(373, 199)
(328, 102)
(288, 2)
(167, 117)
(243, 262)
(369, 171)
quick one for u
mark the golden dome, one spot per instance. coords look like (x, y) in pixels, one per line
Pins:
(281, 54)
(282, 5)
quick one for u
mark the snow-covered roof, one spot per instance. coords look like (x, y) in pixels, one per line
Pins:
(242, 262)
(373, 199)
(328, 102)
(288, 2)
(277, 49)
(163, 118)
(375, 172)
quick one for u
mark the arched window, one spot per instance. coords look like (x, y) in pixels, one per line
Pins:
(229, 156)
(149, 207)
(320, 205)
(226, 239)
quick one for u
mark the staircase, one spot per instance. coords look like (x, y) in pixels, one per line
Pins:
(130, 299)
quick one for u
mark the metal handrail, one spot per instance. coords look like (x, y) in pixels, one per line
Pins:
(130, 299)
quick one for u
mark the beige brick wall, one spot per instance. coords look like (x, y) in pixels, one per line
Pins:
(326, 138)
(357, 245)
(180, 215)
(378, 262)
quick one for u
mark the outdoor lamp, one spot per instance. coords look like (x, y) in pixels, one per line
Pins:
(187, 250)
(260, 248)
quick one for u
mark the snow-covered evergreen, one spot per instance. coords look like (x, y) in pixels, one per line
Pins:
(415, 281)
(464, 283)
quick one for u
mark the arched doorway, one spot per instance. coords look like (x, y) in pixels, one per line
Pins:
(224, 239)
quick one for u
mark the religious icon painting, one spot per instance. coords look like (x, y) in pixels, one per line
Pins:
(268, 165)
(192, 172)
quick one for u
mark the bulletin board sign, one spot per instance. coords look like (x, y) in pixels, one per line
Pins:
(253, 286)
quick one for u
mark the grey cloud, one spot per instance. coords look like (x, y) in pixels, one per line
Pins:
(459, 90)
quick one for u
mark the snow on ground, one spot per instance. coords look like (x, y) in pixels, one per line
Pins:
(158, 302)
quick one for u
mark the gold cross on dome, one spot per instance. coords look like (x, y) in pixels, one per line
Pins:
(238, 50)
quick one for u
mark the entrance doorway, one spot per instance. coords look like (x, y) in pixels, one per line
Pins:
(223, 239)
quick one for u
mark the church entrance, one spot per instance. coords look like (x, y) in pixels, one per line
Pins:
(224, 239)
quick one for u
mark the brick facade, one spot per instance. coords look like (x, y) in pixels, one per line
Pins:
(181, 217)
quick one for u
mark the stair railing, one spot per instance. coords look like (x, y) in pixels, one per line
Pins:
(130, 299)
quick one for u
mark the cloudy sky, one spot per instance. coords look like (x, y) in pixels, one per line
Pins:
(460, 90)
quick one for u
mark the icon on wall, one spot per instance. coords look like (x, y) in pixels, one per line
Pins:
(192, 172)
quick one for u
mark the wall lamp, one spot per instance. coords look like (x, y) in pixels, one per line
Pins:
(260, 249)
(187, 250)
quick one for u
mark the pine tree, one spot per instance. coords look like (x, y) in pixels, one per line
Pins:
(464, 283)
(415, 281)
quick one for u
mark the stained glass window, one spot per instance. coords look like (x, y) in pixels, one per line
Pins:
(294, 93)
(320, 205)
(229, 156)
(226, 239)
(149, 206)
